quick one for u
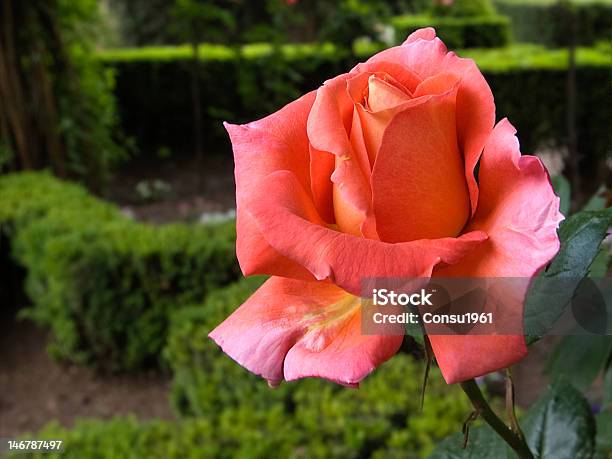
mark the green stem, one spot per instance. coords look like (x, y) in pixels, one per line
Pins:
(482, 407)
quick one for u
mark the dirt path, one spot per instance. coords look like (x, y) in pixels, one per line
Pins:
(36, 390)
(179, 188)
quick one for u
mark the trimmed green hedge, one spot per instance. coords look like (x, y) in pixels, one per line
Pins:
(230, 413)
(542, 21)
(319, 419)
(102, 283)
(458, 32)
(240, 85)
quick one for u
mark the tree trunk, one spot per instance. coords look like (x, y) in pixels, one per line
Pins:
(29, 120)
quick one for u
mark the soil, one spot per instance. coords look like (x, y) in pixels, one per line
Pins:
(37, 390)
(190, 189)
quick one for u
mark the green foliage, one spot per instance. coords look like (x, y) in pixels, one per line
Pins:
(350, 19)
(539, 21)
(88, 113)
(559, 425)
(148, 22)
(319, 418)
(239, 85)
(604, 434)
(245, 21)
(203, 20)
(483, 444)
(235, 84)
(463, 8)
(126, 438)
(211, 54)
(58, 109)
(486, 31)
(597, 201)
(563, 190)
(142, 22)
(580, 237)
(580, 359)
(103, 284)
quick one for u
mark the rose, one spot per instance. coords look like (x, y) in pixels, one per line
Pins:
(373, 175)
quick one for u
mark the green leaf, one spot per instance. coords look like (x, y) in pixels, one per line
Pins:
(483, 443)
(597, 201)
(608, 387)
(563, 190)
(580, 359)
(599, 267)
(580, 235)
(604, 434)
(560, 426)
(416, 332)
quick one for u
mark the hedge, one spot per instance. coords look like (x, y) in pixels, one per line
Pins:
(239, 84)
(238, 433)
(528, 82)
(490, 31)
(542, 21)
(228, 412)
(104, 284)
(320, 419)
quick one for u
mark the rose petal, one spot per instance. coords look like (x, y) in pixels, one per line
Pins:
(346, 357)
(330, 118)
(520, 212)
(373, 112)
(518, 209)
(255, 255)
(322, 166)
(419, 189)
(287, 218)
(437, 84)
(277, 142)
(292, 329)
(403, 75)
(383, 94)
(426, 56)
(352, 197)
(427, 33)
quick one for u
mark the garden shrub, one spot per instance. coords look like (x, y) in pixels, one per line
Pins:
(126, 438)
(539, 21)
(528, 82)
(321, 419)
(28, 196)
(237, 84)
(102, 283)
(487, 31)
(463, 8)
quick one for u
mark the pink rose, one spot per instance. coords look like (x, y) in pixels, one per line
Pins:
(373, 175)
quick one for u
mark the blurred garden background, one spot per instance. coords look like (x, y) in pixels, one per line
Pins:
(117, 207)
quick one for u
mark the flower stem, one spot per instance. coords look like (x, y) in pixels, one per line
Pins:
(482, 407)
